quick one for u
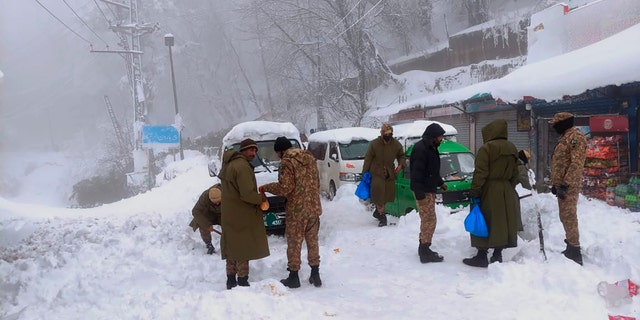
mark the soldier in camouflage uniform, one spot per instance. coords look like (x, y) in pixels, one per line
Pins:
(567, 164)
(378, 161)
(206, 213)
(298, 181)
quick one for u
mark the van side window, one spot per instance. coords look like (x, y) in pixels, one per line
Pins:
(318, 149)
(333, 148)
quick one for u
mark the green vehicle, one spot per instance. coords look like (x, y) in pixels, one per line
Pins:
(456, 168)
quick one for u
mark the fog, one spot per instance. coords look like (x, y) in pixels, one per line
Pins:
(233, 61)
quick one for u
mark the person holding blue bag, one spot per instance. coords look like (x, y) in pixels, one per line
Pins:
(493, 190)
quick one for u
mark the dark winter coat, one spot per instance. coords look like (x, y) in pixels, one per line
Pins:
(494, 180)
(425, 167)
(379, 162)
(205, 213)
(243, 233)
(298, 181)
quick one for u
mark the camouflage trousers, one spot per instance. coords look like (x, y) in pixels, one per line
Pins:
(241, 268)
(428, 220)
(569, 217)
(381, 209)
(298, 231)
(205, 234)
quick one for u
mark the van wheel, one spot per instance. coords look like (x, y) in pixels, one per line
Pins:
(332, 191)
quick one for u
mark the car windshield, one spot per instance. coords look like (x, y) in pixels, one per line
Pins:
(266, 157)
(354, 150)
(456, 166)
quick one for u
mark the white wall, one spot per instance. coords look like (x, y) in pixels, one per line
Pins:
(557, 30)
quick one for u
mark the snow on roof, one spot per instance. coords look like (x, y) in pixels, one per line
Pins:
(260, 130)
(612, 61)
(417, 127)
(345, 135)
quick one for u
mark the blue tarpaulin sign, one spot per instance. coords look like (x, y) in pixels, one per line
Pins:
(160, 136)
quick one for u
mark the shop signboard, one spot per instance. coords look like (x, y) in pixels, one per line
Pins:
(613, 123)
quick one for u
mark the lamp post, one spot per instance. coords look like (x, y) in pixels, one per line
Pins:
(168, 41)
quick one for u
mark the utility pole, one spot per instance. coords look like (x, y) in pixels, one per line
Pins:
(129, 30)
(168, 41)
(320, 117)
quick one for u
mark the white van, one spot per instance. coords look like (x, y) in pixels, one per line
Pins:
(409, 133)
(266, 162)
(340, 156)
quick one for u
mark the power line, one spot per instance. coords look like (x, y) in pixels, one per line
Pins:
(102, 12)
(345, 16)
(85, 23)
(354, 24)
(53, 15)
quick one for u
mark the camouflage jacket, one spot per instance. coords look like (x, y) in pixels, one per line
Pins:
(298, 181)
(568, 159)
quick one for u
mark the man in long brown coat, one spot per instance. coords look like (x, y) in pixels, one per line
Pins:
(378, 161)
(206, 213)
(244, 237)
(567, 164)
(494, 180)
(299, 182)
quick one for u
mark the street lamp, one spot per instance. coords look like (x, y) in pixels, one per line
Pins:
(168, 41)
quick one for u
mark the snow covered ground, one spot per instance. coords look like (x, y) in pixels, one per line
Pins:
(138, 259)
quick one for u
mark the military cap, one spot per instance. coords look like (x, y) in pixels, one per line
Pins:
(560, 116)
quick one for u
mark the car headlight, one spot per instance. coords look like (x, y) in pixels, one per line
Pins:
(351, 177)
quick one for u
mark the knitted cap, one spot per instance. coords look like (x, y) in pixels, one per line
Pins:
(215, 195)
(282, 144)
(248, 143)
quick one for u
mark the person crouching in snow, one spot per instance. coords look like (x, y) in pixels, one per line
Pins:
(206, 213)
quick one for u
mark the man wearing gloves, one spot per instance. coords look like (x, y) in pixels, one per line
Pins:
(425, 180)
(298, 181)
(567, 163)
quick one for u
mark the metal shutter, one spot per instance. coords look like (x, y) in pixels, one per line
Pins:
(518, 138)
(461, 123)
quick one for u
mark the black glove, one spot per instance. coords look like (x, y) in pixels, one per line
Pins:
(554, 190)
(562, 192)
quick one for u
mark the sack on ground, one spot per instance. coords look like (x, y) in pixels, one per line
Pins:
(475, 224)
(363, 191)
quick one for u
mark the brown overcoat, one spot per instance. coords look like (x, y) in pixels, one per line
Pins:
(379, 162)
(243, 233)
(494, 180)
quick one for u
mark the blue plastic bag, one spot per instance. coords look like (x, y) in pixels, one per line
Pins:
(363, 191)
(475, 224)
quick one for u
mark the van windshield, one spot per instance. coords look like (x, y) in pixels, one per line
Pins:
(456, 166)
(354, 150)
(266, 157)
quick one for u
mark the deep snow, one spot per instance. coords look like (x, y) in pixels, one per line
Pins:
(138, 259)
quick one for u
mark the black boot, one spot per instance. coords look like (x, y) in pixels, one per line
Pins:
(210, 248)
(292, 281)
(315, 276)
(573, 253)
(376, 214)
(427, 255)
(496, 256)
(383, 220)
(480, 259)
(243, 281)
(565, 249)
(231, 281)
